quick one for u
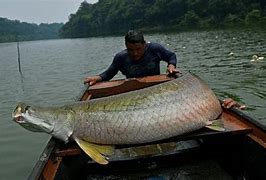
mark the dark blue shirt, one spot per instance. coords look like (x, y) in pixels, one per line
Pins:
(148, 65)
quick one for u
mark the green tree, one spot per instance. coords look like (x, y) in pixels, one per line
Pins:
(191, 20)
(253, 18)
(232, 20)
(14, 30)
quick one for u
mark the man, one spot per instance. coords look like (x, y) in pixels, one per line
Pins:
(137, 60)
(143, 59)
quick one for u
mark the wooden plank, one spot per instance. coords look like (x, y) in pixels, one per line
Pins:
(42, 162)
(71, 151)
(258, 133)
(51, 168)
(108, 88)
(233, 124)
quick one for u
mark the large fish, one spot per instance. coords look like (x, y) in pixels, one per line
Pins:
(151, 114)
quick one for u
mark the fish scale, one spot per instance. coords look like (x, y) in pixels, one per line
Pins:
(150, 114)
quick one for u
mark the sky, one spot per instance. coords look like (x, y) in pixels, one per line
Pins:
(40, 11)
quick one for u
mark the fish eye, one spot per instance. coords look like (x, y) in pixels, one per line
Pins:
(27, 108)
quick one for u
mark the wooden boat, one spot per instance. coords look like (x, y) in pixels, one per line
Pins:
(237, 153)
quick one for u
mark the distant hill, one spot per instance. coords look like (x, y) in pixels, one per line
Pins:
(13, 30)
(108, 17)
(117, 16)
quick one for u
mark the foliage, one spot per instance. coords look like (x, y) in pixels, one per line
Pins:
(14, 30)
(117, 16)
(108, 17)
(253, 18)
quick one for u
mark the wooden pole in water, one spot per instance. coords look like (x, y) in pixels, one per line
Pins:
(19, 66)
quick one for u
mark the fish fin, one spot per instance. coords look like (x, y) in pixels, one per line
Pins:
(216, 125)
(106, 150)
(96, 152)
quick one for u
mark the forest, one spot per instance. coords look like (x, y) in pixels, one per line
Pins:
(117, 16)
(14, 30)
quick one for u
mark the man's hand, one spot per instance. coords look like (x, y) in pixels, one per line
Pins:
(228, 103)
(92, 80)
(172, 69)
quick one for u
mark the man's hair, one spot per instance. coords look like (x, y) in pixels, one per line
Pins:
(134, 36)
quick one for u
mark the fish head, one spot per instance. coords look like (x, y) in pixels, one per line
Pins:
(32, 119)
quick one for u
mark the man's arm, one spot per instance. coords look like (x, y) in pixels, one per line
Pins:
(104, 76)
(172, 61)
(111, 71)
(92, 80)
(167, 56)
(172, 69)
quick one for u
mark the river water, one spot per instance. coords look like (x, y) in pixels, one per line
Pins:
(53, 73)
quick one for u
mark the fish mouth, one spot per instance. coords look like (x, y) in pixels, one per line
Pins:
(18, 113)
(17, 116)
(19, 119)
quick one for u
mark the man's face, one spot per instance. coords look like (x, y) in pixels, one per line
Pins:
(135, 50)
